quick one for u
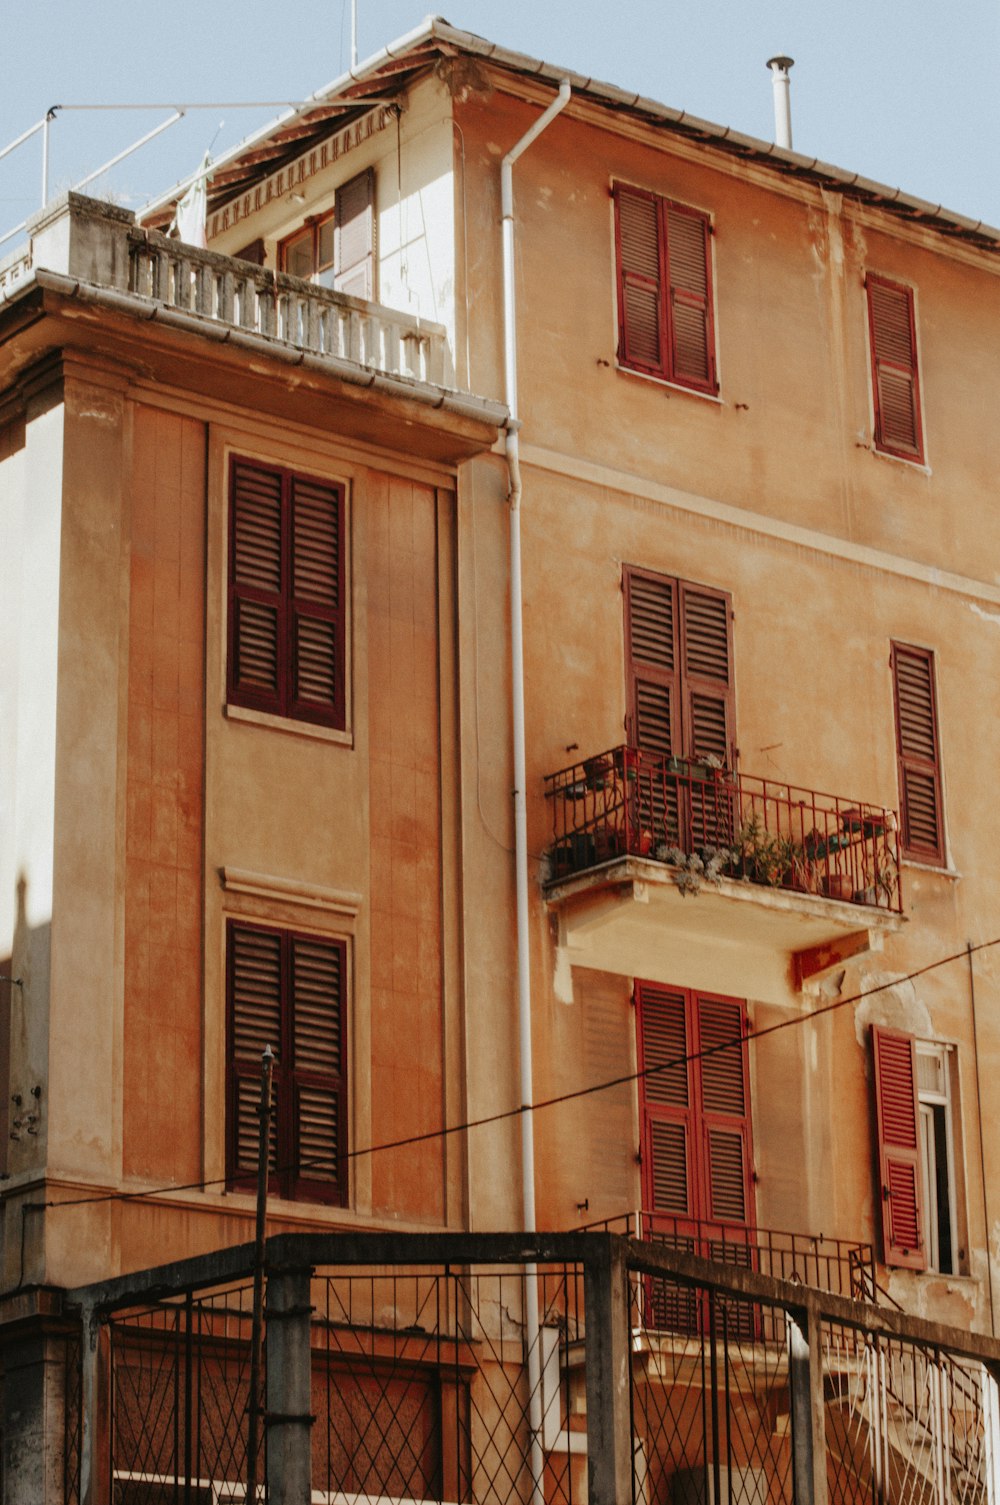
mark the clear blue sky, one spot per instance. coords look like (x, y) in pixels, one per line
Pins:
(904, 91)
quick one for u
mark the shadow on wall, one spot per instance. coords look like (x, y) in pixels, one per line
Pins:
(23, 973)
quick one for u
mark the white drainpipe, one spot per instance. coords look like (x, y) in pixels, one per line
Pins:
(532, 1333)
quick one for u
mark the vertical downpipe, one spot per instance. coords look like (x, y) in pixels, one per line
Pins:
(782, 87)
(532, 1323)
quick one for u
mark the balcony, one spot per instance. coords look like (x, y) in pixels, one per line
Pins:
(683, 872)
(232, 331)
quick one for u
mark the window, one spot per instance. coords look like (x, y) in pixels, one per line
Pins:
(696, 1142)
(914, 1105)
(895, 381)
(288, 991)
(338, 249)
(918, 753)
(665, 320)
(287, 651)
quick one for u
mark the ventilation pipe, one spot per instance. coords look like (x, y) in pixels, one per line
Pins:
(532, 1325)
(782, 86)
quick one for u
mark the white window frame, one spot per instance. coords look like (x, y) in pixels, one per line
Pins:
(928, 1099)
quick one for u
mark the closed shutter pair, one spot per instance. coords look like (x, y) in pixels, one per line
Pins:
(286, 594)
(288, 991)
(665, 316)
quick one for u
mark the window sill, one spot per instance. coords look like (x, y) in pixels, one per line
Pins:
(308, 729)
(884, 454)
(931, 867)
(671, 386)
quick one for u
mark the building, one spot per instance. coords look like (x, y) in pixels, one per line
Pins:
(257, 735)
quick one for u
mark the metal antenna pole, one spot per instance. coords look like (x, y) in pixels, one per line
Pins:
(354, 33)
(50, 115)
(257, 1331)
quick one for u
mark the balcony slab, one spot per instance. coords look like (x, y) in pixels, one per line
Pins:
(742, 939)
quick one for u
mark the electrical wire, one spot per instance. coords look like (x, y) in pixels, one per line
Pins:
(548, 1102)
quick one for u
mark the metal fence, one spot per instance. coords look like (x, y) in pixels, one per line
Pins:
(542, 1370)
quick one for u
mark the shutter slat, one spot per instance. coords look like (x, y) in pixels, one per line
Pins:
(651, 621)
(256, 992)
(256, 651)
(706, 635)
(317, 993)
(318, 1124)
(664, 1040)
(670, 1173)
(256, 503)
(315, 543)
(727, 1176)
(316, 660)
(722, 1075)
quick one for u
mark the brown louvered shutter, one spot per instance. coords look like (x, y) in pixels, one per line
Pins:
(652, 661)
(254, 987)
(918, 753)
(692, 339)
(316, 983)
(667, 1138)
(317, 602)
(725, 1111)
(707, 672)
(640, 303)
(653, 699)
(895, 378)
(257, 630)
(897, 1115)
(354, 235)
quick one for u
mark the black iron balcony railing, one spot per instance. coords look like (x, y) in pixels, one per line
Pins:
(845, 1267)
(711, 823)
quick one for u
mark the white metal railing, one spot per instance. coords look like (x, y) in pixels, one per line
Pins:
(277, 306)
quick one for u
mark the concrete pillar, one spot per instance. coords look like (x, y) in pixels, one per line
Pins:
(34, 1432)
(805, 1383)
(609, 1411)
(289, 1388)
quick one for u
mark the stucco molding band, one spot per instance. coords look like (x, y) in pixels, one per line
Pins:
(289, 890)
(747, 521)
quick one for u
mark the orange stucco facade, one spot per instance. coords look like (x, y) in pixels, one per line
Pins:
(147, 810)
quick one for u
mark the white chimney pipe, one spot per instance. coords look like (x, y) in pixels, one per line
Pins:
(781, 84)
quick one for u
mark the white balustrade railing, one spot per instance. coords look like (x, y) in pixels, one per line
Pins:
(100, 245)
(279, 307)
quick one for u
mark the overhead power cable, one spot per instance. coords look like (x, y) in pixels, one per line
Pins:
(547, 1102)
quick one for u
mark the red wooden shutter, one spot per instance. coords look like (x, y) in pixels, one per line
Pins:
(898, 1118)
(652, 661)
(725, 1111)
(640, 295)
(317, 602)
(707, 671)
(918, 752)
(692, 338)
(256, 586)
(670, 1185)
(254, 987)
(354, 217)
(316, 984)
(894, 368)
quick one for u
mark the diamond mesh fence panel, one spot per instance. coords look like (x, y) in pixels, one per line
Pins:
(711, 1413)
(180, 1390)
(430, 1385)
(72, 1417)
